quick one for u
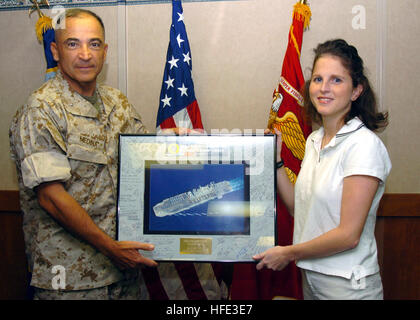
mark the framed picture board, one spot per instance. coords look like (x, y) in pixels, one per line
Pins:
(201, 198)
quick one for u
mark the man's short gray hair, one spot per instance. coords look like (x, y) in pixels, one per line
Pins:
(76, 13)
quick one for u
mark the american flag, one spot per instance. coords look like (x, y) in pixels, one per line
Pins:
(178, 105)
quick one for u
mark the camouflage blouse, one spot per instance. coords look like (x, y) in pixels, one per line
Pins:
(58, 135)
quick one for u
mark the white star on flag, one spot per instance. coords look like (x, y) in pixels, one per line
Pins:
(181, 16)
(173, 62)
(183, 90)
(166, 101)
(187, 58)
(179, 40)
(170, 82)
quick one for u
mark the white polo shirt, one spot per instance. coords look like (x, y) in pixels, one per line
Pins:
(355, 150)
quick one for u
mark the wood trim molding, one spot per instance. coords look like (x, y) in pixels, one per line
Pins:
(400, 205)
(9, 201)
(392, 204)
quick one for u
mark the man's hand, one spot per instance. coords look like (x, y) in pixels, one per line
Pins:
(125, 255)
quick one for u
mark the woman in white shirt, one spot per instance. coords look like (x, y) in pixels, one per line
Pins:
(340, 184)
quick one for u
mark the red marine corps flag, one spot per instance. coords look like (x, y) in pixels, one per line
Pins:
(286, 116)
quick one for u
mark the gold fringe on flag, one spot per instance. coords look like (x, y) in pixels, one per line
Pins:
(43, 24)
(302, 12)
(291, 175)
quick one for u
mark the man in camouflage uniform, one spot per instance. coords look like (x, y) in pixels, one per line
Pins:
(64, 141)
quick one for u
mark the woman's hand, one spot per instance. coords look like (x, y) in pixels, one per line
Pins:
(278, 140)
(279, 144)
(181, 131)
(276, 258)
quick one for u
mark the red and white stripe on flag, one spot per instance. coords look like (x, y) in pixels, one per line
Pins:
(189, 117)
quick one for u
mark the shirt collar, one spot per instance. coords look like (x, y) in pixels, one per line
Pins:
(76, 104)
(350, 127)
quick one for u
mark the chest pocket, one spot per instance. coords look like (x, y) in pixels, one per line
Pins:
(86, 138)
(84, 152)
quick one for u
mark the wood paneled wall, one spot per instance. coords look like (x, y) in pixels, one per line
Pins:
(13, 266)
(398, 238)
(397, 235)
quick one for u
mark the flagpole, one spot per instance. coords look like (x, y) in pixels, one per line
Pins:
(35, 7)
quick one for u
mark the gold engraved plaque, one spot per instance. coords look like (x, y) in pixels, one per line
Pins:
(195, 246)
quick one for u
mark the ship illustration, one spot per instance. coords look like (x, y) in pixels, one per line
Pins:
(195, 197)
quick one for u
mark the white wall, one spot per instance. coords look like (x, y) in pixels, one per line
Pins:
(237, 51)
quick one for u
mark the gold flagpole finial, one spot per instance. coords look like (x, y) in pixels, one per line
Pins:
(36, 6)
(302, 1)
